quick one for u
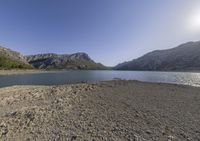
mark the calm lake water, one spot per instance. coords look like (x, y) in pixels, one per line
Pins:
(66, 77)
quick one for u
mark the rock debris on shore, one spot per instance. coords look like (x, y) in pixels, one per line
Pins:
(115, 111)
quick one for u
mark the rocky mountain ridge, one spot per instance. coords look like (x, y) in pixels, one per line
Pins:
(184, 57)
(10, 59)
(63, 61)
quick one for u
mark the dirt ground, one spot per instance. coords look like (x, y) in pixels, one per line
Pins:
(110, 111)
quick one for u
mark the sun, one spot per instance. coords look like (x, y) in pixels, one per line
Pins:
(194, 21)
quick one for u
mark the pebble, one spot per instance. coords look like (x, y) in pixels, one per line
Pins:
(170, 138)
(3, 129)
(148, 132)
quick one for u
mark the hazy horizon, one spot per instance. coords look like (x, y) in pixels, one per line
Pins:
(110, 32)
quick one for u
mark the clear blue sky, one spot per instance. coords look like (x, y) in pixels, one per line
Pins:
(110, 31)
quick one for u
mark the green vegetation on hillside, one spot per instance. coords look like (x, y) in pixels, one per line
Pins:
(6, 63)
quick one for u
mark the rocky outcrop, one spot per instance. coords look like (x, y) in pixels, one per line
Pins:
(183, 57)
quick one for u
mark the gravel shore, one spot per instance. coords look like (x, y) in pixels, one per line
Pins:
(16, 72)
(111, 111)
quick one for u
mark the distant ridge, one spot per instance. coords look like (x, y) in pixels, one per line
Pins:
(182, 58)
(10, 59)
(76, 61)
(185, 57)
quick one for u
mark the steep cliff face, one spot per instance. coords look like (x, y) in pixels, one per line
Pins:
(64, 61)
(12, 60)
(183, 57)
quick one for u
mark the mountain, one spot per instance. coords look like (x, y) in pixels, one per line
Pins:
(12, 60)
(65, 61)
(183, 57)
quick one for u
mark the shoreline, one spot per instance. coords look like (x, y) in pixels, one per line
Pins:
(19, 72)
(108, 110)
(31, 71)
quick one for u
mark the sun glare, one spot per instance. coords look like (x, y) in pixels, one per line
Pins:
(194, 22)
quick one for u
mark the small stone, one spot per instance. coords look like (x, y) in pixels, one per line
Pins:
(91, 124)
(13, 113)
(137, 115)
(3, 129)
(73, 137)
(170, 138)
(148, 132)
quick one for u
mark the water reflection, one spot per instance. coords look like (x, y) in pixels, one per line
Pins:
(66, 77)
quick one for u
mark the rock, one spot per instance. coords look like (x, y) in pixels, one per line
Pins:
(73, 137)
(11, 114)
(3, 129)
(148, 132)
(170, 138)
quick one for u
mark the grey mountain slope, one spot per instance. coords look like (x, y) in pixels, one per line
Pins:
(10, 59)
(12, 55)
(63, 61)
(183, 57)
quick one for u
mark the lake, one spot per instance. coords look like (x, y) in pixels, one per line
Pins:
(68, 77)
